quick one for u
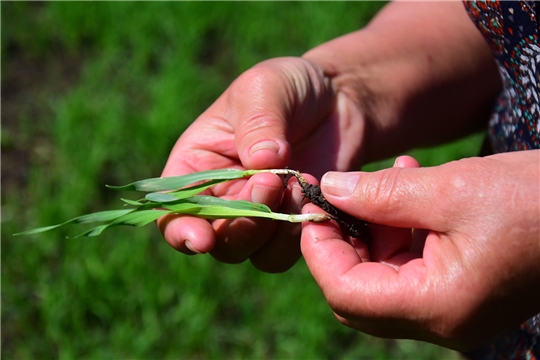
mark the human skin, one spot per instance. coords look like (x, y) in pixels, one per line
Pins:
(419, 74)
(394, 85)
(473, 275)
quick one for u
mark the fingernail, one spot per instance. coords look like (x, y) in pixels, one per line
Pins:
(339, 184)
(190, 247)
(264, 145)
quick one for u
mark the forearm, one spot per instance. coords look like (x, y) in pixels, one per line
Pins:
(420, 72)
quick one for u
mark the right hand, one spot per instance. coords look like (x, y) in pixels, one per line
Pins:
(470, 275)
(282, 112)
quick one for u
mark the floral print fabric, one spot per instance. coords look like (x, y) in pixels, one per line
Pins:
(511, 29)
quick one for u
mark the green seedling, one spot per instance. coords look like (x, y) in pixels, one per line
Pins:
(180, 195)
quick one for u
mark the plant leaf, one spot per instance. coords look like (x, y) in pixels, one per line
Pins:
(132, 202)
(216, 208)
(182, 193)
(136, 218)
(178, 182)
(101, 216)
(160, 197)
(182, 201)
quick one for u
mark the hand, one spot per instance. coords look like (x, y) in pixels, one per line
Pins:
(283, 112)
(473, 275)
(361, 97)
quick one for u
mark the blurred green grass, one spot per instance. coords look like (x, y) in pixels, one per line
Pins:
(96, 93)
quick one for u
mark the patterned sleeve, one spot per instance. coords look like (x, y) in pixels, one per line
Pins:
(511, 30)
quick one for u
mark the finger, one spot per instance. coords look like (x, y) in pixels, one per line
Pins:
(282, 251)
(237, 239)
(406, 161)
(418, 235)
(261, 106)
(361, 292)
(399, 197)
(391, 245)
(258, 113)
(339, 256)
(208, 143)
(354, 289)
(187, 234)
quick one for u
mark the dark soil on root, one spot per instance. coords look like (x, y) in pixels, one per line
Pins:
(350, 225)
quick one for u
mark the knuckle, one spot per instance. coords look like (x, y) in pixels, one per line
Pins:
(259, 122)
(381, 190)
(256, 79)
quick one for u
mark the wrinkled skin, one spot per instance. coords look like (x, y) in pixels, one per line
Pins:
(247, 128)
(472, 275)
(324, 112)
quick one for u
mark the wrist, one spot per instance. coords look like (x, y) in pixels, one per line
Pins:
(407, 81)
(384, 87)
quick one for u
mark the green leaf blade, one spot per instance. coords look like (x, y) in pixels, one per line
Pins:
(216, 208)
(160, 197)
(132, 202)
(178, 182)
(101, 216)
(135, 219)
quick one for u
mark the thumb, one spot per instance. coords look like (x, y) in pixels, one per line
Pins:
(398, 197)
(267, 105)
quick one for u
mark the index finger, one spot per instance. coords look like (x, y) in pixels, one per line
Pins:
(355, 288)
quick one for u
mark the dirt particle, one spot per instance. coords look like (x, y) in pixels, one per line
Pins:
(352, 226)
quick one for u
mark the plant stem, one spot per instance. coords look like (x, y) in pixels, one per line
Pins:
(297, 218)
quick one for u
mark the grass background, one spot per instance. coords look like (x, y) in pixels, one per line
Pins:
(96, 93)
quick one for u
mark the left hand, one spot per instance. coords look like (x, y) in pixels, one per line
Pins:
(282, 112)
(473, 275)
